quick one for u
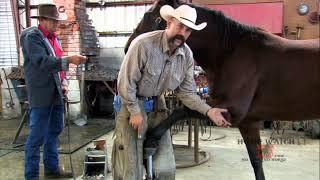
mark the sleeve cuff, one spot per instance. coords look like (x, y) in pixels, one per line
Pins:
(134, 109)
(65, 64)
(207, 112)
(204, 109)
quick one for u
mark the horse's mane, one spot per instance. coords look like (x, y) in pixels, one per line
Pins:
(228, 30)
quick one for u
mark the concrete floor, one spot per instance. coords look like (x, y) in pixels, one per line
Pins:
(228, 156)
(228, 159)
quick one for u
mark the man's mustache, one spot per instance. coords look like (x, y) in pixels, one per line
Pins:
(179, 37)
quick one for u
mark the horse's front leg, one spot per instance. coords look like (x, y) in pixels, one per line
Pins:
(251, 136)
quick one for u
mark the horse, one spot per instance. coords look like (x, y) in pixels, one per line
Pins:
(254, 74)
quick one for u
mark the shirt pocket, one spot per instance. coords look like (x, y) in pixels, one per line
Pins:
(150, 76)
(176, 77)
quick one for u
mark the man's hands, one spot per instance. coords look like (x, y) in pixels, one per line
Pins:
(77, 59)
(65, 90)
(215, 115)
(136, 121)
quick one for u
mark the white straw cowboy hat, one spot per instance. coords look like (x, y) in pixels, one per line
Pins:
(49, 11)
(184, 13)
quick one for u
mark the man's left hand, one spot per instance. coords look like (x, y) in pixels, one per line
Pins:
(65, 90)
(215, 115)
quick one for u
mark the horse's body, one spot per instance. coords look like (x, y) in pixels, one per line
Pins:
(254, 74)
(272, 78)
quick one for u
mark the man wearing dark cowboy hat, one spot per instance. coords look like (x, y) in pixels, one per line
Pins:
(43, 68)
(155, 62)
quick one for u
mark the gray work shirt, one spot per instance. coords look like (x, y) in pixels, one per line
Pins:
(148, 70)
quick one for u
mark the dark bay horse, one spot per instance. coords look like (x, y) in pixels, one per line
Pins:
(254, 74)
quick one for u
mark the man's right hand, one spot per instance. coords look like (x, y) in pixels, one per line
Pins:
(136, 121)
(77, 59)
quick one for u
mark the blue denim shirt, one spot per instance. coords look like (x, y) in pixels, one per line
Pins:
(41, 69)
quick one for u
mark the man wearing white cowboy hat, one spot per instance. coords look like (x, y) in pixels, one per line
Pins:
(44, 76)
(155, 62)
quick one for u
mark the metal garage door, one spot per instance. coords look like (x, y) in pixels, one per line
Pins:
(8, 47)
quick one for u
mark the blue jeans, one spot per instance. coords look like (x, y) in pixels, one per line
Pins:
(46, 123)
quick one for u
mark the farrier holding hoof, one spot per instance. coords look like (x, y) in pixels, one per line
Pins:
(44, 69)
(155, 62)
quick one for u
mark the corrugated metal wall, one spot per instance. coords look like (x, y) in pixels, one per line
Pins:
(101, 1)
(8, 47)
(36, 2)
(120, 20)
(33, 12)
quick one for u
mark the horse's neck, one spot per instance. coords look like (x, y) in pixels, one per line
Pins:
(173, 3)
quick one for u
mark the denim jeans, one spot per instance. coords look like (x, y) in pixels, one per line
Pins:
(46, 123)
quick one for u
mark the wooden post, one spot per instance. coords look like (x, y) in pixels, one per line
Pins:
(0, 94)
(190, 133)
(196, 140)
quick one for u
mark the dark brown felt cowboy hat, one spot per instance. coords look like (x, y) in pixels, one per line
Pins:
(49, 11)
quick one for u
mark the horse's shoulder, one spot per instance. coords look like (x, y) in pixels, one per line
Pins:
(269, 40)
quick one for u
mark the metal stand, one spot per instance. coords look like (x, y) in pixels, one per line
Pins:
(148, 153)
(95, 164)
(197, 160)
(11, 103)
(173, 103)
(24, 118)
